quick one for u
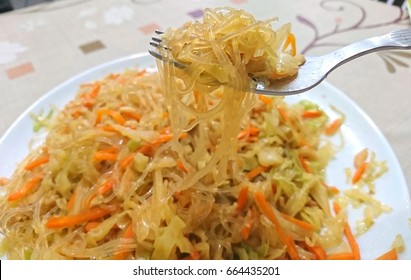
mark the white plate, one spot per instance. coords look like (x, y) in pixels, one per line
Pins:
(358, 130)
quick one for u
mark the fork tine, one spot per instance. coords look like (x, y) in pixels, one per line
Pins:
(155, 39)
(156, 54)
(159, 32)
(154, 44)
(159, 56)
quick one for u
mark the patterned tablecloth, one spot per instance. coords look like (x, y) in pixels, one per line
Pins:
(44, 45)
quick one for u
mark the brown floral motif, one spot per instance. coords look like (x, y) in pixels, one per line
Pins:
(395, 58)
(391, 59)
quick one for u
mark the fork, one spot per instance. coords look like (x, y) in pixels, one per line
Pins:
(316, 68)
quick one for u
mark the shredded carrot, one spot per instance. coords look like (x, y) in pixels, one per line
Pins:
(70, 203)
(125, 162)
(27, 188)
(141, 73)
(318, 251)
(180, 165)
(360, 158)
(352, 242)
(242, 198)
(195, 255)
(359, 173)
(312, 114)
(336, 208)
(147, 149)
(304, 164)
(114, 114)
(94, 91)
(341, 256)
(283, 113)
(109, 154)
(291, 41)
(37, 162)
(332, 189)
(333, 127)
(250, 131)
(245, 231)
(165, 138)
(3, 181)
(90, 96)
(128, 234)
(108, 128)
(196, 94)
(132, 115)
(101, 155)
(265, 99)
(298, 222)
(113, 76)
(285, 238)
(256, 171)
(106, 187)
(91, 225)
(72, 220)
(390, 255)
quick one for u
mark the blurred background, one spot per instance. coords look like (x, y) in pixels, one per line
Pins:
(9, 5)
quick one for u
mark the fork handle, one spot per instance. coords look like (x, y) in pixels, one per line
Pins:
(399, 39)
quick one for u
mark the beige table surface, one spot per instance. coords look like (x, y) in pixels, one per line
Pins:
(42, 46)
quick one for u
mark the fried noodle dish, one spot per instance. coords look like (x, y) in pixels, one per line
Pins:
(184, 163)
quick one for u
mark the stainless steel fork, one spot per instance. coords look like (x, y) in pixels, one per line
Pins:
(316, 68)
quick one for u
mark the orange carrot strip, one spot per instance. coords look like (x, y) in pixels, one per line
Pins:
(332, 128)
(312, 114)
(3, 181)
(304, 164)
(101, 155)
(298, 222)
(265, 99)
(390, 255)
(341, 256)
(125, 162)
(291, 41)
(196, 94)
(141, 73)
(72, 220)
(242, 198)
(283, 113)
(26, 189)
(332, 189)
(132, 115)
(285, 238)
(165, 138)
(91, 225)
(70, 203)
(336, 208)
(37, 162)
(318, 251)
(128, 234)
(180, 165)
(147, 150)
(352, 242)
(359, 172)
(114, 114)
(360, 158)
(256, 171)
(245, 231)
(108, 128)
(106, 187)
